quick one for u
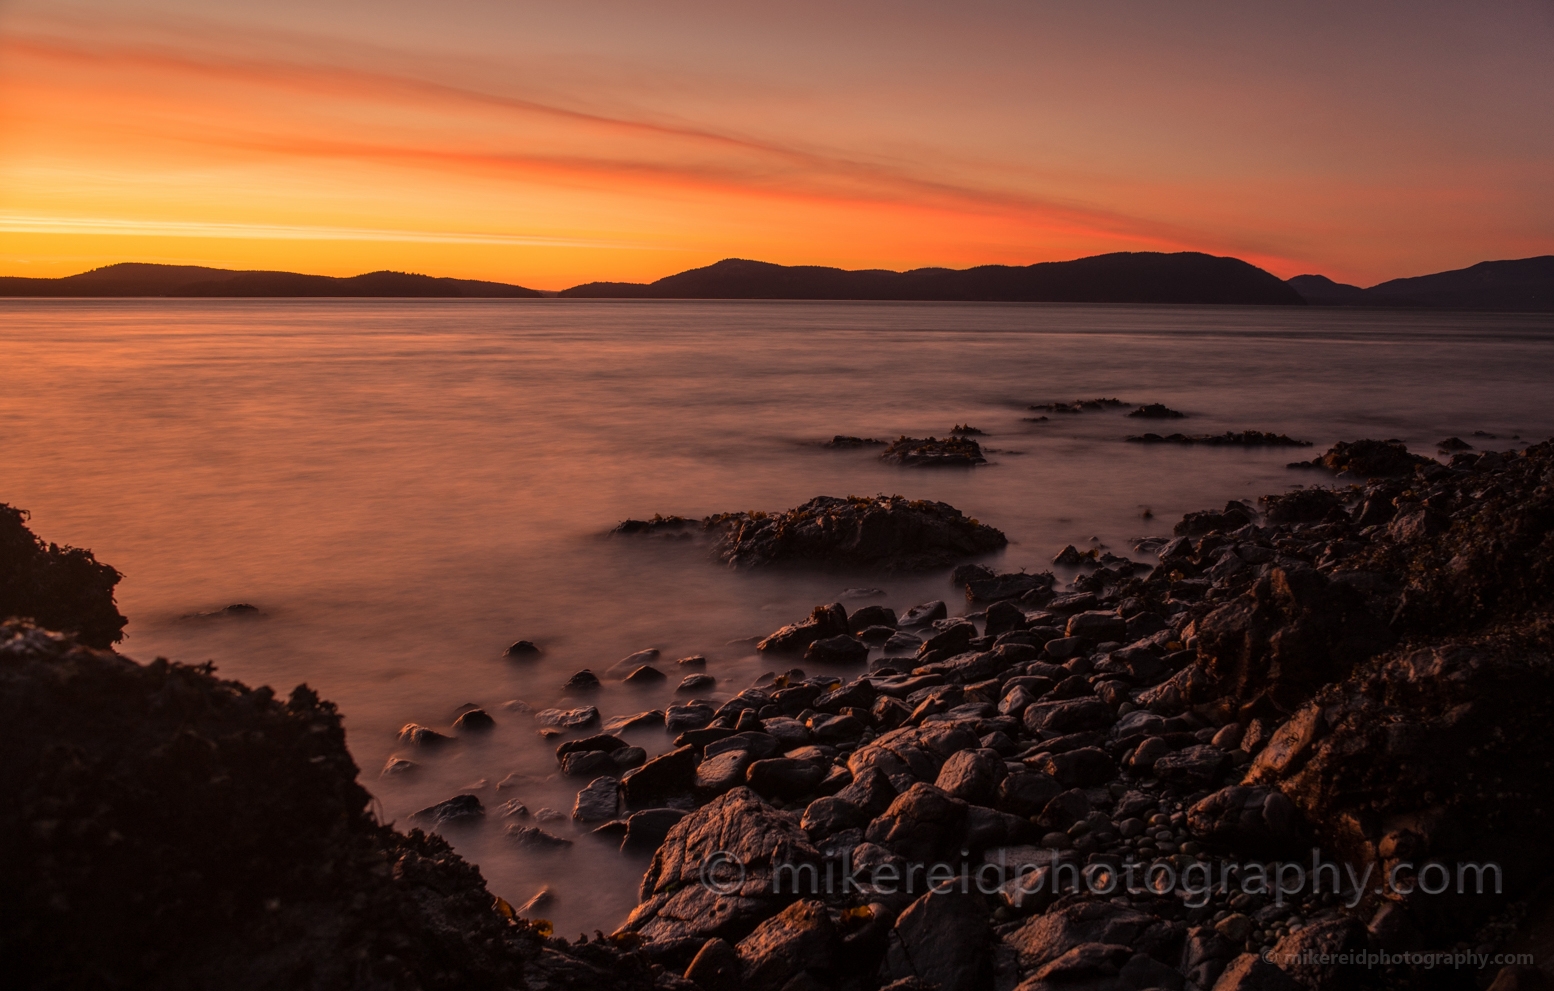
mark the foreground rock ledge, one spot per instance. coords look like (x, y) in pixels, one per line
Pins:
(889, 532)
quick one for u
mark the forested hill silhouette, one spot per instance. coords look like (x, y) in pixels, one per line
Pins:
(1124, 277)
(1523, 285)
(135, 279)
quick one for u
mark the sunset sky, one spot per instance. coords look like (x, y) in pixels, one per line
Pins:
(552, 144)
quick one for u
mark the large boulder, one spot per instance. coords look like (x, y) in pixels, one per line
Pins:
(1047, 937)
(799, 939)
(60, 588)
(823, 622)
(944, 939)
(753, 840)
(921, 824)
(912, 753)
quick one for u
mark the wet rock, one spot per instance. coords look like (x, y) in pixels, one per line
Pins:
(1069, 716)
(942, 939)
(911, 754)
(1156, 411)
(1249, 972)
(951, 452)
(474, 721)
(868, 616)
(888, 532)
(589, 764)
(951, 640)
(678, 910)
(989, 587)
(924, 614)
(627, 758)
(717, 774)
(1047, 937)
(1196, 765)
(1080, 768)
(1003, 617)
(631, 662)
(523, 648)
(397, 766)
(599, 801)
(1230, 438)
(459, 809)
(1259, 821)
(1026, 794)
(691, 715)
(837, 650)
(801, 938)
(1234, 517)
(1301, 506)
(920, 824)
(665, 776)
(972, 776)
(620, 724)
(417, 735)
(716, 966)
(604, 742)
(1097, 626)
(645, 675)
(1072, 603)
(836, 729)
(696, 683)
(1369, 459)
(538, 902)
(784, 777)
(568, 718)
(584, 681)
(823, 622)
(870, 791)
(535, 838)
(1310, 955)
(646, 829)
(828, 816)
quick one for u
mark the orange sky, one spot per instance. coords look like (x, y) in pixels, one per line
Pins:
(554, 144)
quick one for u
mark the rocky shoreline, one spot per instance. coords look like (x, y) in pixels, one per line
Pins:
(1357, 675)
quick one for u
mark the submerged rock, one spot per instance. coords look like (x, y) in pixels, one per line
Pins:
(1368, 459)
(888, 532)
(1156, 411)
(1244, 438)
(951, 452)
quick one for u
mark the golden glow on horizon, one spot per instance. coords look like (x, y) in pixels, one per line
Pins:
(199, 146)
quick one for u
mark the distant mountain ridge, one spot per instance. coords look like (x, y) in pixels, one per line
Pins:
(1522, 285)
(1121, 277)
(138, 279)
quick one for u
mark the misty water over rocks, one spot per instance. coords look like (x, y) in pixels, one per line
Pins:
(404, 489)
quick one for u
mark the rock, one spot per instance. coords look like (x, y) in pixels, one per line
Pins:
(645, 675)
(1249, 972)
(1026, 794)
(1072, 603)
(1156, 411)
(1241, 438)
(677, 910)
(784, 777)
(665, 776)
(397, 766)
(911, 754)
(589, 764)
(584, 681)
(836, 729)
(620, 724)
(1070, 716)
(1003, 617)
(949, 641)
(870, 791)
(886, 532)
(1048, 937)
(1301, 506)
(943, 939)
(924, 614)
(599, 801)
(868, 616)
(1196, 765)
(951, 452)
(691, 715)
(828, 816)
(1081, 768)
(474, 721)
(604, 742)
(1142, 760)
(696, 683)
(538, 902)
(1310, 955)
(921, 823)
(568, 718)
(646, 829)
(1064, 648)
(972, 776)
(1097, 626)
(717, 774)
(533, 837)
(459, 809)
(999, 588)
(1069, 556)
(523, 648)
(823, 622)
(799, 938)
(716, 966)
(988, 828)
(627, 758)
(417, 735)
(1369, 459)
(1261, 822)
(837, 650)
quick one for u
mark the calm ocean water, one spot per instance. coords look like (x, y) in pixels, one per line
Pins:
(405, 487)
